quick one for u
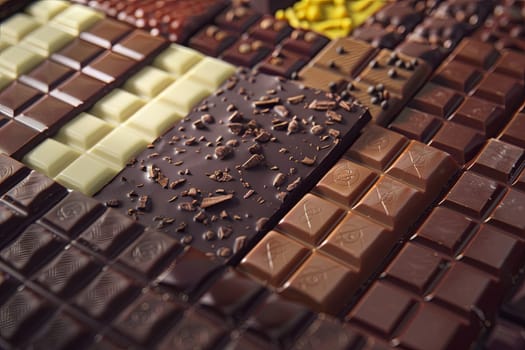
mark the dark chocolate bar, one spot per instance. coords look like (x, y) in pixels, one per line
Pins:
(233, 167)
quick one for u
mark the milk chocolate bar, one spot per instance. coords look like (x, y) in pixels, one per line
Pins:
(353, 218)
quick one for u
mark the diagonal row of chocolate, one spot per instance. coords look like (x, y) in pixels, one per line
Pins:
(229, 171)
(334, 239)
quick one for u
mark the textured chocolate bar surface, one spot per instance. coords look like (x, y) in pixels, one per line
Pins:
(236, 163)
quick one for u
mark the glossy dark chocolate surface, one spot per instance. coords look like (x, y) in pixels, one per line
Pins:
(232, 168)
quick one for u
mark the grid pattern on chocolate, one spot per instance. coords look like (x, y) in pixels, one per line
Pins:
(90, 150)
(469, 100)
(384, 80)
(353, 219)
(59, 271)
(76, 74)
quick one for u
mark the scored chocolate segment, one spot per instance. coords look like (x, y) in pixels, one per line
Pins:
(345, 56)
(351, 221)
(241, 159)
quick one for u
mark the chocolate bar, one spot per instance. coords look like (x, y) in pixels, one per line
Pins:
(354, 216)
(226, 174)
(384, 82)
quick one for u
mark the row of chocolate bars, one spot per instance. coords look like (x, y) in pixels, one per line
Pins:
(357, 182)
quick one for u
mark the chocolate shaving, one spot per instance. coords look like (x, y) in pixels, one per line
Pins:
(224, 252)
(279, 179)
(187, 206)
(267, 103)
(308, 161)
(113, 203)
(222, 152)
(281, 196)
(334, 116)
(224, 215)
(253, 161)
(345, 105)
(248, 194)
(281, 125)
(260, 223)
(236, 128)
(209, 235)
(177, 183)
(144, 203)
(255, 149)
(200, 216)
(239, 244)
(281, 111)
(199, 124)
(208, 119)
(263, 136)
(224, 232)
(293, 127)
(235, 117)
(295, 99)
(317, 129)
(211, 201)
(321, 105)
(181, 227)
(334, 133)
(293, 185)
(191, 141)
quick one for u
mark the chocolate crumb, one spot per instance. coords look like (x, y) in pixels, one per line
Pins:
(211, 201)
(295, 99)
(267, 102)
(222, 152)
(308, 161)
(224, 252)
(293, 185)
(239, 244)
(144, 203)
(260, 223)
(279, 179)
(186, 239)
(113, 203)
(253, 161)
(209, 235)
(187, 206)
(224, 232)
